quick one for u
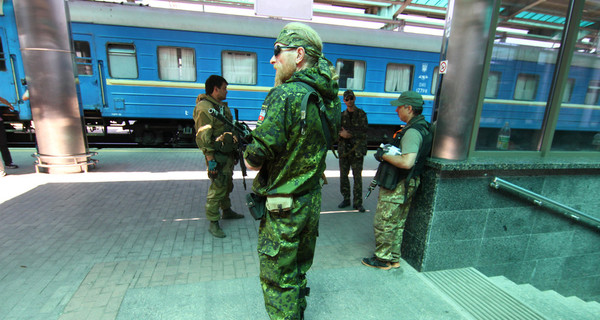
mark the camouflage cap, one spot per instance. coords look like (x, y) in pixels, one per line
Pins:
(301, 35)
(409, 97)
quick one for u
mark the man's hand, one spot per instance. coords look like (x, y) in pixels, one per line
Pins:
(345, 134)
(222, 137)
(213, 171)
(379, 154)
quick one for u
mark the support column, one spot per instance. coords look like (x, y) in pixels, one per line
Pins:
(46, 47)
(469, 26)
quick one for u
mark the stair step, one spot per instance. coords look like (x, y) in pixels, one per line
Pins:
(549, 303)
(478, 296)
(594, 306)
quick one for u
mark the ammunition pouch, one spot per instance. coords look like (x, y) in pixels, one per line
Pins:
(388, 176)
(279, 203)
(256, 205)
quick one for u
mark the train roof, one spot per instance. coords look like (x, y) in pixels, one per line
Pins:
(159, 18)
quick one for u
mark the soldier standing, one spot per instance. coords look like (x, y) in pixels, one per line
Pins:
(352, 148)
(289, 150)
(218, 147)
(414, 141)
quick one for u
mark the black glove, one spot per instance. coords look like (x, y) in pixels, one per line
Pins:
(379, 154)
(213, 171)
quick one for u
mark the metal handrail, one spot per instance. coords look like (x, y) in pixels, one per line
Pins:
(542, 201)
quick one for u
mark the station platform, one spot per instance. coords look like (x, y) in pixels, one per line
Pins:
(129, 240)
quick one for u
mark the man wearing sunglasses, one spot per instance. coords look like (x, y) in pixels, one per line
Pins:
(289, 150)
(352, 148)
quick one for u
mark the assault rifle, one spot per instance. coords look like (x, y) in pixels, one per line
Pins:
(241, 131)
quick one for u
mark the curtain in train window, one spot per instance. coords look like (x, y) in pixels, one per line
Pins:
(491, 90)
(593, 93)
(568, 91)
(434, 79)
(239, 67)
(176, 64)
(398, 77)
(2, 58)
(526, 87)
(83, 58)
(352, 74)
(122, 61)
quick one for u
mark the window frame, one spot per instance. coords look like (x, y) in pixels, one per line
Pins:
(3, 65)
(497, 89)
(530, 76)
(364, 78)
(255, 75)
(108, 55)
(410, 80)
(158, 64)
(83, 61)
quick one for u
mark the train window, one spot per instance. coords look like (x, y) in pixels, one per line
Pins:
(352, 74)
(398, 77)
(568, 91)
(493, 83)
(83, 57)
(176, 64)
(2, 57)
(526, 87)
(239, 67)
(122, 61)
(434, 79)
(593, 93)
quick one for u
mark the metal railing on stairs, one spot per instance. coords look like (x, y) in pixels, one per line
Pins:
(542, 201)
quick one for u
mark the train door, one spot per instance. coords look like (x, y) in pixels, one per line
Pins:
(9, 88)
(89, 79)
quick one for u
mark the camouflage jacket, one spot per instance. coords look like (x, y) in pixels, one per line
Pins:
(208, 128)
(356, 124)
(291, 162)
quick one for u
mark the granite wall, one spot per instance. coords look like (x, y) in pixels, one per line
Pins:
(458, 220)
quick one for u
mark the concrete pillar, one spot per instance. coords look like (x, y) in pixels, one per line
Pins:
(468, 28)
(46, 47)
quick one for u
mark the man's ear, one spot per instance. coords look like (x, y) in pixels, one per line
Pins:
(301, 52)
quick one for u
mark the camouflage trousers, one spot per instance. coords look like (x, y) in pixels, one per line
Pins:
(356, 163)
(390, 216)
(286, 247)
(219, 190)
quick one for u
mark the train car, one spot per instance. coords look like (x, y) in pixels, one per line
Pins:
(141, 68)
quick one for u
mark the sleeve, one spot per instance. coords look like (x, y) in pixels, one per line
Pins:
(411, 141)
(270, 136)
(360, 131)
(204, 129)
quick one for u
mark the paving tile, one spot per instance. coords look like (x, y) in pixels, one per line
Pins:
(129, 240)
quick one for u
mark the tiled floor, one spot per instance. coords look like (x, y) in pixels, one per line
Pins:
(129, 240)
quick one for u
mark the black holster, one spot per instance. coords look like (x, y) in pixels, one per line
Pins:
(256, 205)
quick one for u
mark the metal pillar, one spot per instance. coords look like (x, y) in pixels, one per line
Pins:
(466, 34)
(46, 47)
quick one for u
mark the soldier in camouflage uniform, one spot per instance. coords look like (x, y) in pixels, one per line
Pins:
(218, 147)
(352, 148)
(290, 158)
(393, 205)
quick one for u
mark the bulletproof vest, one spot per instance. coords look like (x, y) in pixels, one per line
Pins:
(388, 176)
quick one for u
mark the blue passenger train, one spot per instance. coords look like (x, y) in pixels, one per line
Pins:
(141, 68)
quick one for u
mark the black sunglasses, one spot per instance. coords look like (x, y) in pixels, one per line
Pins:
(278, 48)
(348, 98)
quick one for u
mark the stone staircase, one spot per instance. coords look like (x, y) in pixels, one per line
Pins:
(480, 297)
(549, 303)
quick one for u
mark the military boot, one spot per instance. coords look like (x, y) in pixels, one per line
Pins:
(216, 230)
(230, 214)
